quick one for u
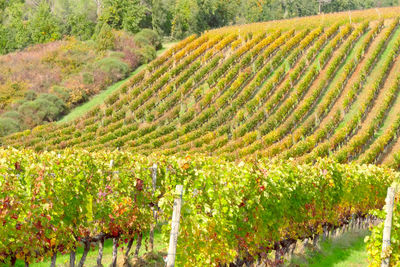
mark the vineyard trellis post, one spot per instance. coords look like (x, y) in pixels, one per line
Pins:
(173, 239)
(154, 208)
(387, 227)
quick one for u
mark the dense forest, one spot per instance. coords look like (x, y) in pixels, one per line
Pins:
(33, 21)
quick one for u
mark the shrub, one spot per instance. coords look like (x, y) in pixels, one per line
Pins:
(46, 107)
(30, 95)
(105, 38)
(151, 36)
(115, 67)
(87, 78)
(8, 126)
(142, 41)
(13, 115)
(61, 92)
(116, 54)
(57, 102)
(147, 53)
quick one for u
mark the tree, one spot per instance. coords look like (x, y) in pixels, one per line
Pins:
(99, 7)
(215, 13)
(14, 27)
(184, 18)
(105, 38)
(134, 13)
(3, 40)
(44, 26)
(123, 14)
(162, 16)
(321, 3)
(80, 26)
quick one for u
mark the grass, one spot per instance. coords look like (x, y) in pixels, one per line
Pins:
(347, 250)
(337, 76)
(372, 76)
(99, 98)
(390, 117)
(63, 260)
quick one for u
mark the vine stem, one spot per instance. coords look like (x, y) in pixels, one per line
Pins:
(13, 260)
(53, 259)
(85, 252)
(114, 252)
(72, 256)
(128, 248)
(138, 245)
(101, 249)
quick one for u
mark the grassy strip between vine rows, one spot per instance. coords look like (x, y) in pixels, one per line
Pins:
(53, 202)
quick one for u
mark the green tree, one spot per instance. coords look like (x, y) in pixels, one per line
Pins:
(44, 26)
(343, 5)
(215, 13)
(123, 14)
(3, 39)
(184, 21)
(14, 27)
(162, 16)
(80, 26)
(105, 39)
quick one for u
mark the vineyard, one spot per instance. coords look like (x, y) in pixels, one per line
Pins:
(281, 120)
(326, 87)
(55, 202)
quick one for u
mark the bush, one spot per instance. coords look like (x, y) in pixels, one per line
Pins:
(13, 115)
(61, 92)
(147, 53)
(105, 39)
(8, 126)
(30, 95)
(151, 36)
(46, 107)
(57, 102)
(87, 78)
(116, 54)
(142, 41)
(113, 66)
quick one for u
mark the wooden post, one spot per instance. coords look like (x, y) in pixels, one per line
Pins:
(154, 208)
(387, 226)
(173, 239)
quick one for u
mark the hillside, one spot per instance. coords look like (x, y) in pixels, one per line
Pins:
(43, 82)
(303, 88)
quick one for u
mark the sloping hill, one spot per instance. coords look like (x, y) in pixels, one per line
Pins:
(302, 88)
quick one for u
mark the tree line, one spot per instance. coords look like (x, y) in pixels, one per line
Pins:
(26, 22)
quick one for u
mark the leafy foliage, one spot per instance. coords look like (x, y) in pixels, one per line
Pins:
(374, 240)
(72, 197)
